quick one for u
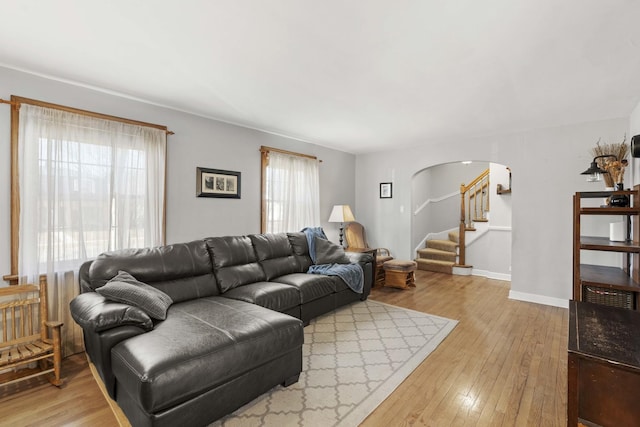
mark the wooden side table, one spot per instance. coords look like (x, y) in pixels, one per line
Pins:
(604, 365)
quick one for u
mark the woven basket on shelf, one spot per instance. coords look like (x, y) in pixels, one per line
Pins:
(610, 297)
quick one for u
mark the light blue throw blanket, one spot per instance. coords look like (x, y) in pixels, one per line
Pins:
(351, 274)
(311, 233)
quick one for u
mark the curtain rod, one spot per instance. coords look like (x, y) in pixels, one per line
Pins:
(265, 149)
(84, 112)
(14, 103)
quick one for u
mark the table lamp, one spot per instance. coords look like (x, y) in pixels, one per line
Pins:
(341, 214)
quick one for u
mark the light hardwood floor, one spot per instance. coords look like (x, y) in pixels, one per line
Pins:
(39, 404)
(505, 364)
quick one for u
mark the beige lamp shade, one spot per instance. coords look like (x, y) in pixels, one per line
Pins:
(341, 213)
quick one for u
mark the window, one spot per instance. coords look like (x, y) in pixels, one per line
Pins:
(82, 184)
(290, 191)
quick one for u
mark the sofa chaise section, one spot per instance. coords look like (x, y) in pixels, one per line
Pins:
(202, 346)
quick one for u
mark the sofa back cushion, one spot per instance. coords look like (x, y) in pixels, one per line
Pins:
(300, 248)
(328, 252)
(183, 270)
(275, 254)
(234, 261)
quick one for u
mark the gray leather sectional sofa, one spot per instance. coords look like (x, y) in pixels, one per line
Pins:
(234, 330)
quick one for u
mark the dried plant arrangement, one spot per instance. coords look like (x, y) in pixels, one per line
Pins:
(615, 168)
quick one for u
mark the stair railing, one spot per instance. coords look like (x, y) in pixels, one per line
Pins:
(474, 197)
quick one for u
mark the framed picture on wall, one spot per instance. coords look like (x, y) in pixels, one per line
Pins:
(217, 183)
(385, 190)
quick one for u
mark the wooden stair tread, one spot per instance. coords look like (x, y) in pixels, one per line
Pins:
(436, 266)
(447, 243)
(480, 220)
(442, 240)
(435, 251)
(434, 261)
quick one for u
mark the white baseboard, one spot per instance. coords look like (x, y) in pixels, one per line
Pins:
(462, 271)
(491, 275)
(539, 299)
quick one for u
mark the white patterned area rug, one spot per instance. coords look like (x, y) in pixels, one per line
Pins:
(353, 358)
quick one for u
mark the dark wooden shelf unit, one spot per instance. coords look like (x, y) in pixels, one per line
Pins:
(604, 344)
(604, 244)
(602, 194)
(625, 278)
(607, 277)
(609, 211)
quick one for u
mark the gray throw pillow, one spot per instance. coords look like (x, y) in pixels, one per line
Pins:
(329, 253)
(126, 289)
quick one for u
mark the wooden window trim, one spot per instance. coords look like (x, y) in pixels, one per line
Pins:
(15, 185)
(264, 162)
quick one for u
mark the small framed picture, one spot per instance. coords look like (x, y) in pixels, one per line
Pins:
(385, 190)
(217, 183)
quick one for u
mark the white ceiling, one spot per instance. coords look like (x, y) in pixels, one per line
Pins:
(355, 75)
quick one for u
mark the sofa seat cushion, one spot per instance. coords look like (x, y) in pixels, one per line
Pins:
(340, 284)
(203, 343)
(271, 295)
(311, 286)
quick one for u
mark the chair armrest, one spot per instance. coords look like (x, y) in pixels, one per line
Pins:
(94, 313)
(54, 324)
(383, 252)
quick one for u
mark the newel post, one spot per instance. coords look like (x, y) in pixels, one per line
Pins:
(463, 228)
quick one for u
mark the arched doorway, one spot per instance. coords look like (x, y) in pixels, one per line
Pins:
(435, 195)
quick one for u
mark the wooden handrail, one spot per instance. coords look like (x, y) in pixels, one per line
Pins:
(465, 188)
(475, 187)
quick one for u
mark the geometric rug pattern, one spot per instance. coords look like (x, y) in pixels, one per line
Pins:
(353, 358)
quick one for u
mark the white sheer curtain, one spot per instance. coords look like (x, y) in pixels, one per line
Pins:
(292, 193)
(87, 185)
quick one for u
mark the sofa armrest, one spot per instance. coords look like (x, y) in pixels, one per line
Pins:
(94, 313)
(359, 257)
(104, 324)
(367, 263)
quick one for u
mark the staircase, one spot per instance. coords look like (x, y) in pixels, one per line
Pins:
(439, 255)
(448, 255)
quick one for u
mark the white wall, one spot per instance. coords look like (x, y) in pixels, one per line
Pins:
(197, 142)
(500, 203)
(546, 166)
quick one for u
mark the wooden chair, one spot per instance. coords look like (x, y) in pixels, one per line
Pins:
(24, 336)
(357, 241)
